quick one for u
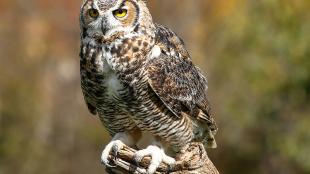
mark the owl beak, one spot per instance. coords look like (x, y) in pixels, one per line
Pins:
(104, 28)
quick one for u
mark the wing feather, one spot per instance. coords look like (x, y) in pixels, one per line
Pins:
(176, 81)
(179, 84)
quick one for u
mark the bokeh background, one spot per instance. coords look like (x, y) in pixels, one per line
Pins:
(256, 54)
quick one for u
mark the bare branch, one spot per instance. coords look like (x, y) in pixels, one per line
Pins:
(192, 159)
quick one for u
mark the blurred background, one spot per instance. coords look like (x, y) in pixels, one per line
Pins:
(255, 53)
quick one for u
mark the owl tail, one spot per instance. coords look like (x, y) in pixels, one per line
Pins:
(209, 129)
(209, 140)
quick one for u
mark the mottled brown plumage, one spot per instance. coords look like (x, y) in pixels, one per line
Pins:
(138, 77)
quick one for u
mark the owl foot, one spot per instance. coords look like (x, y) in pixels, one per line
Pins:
(114, 147)
(158, 155)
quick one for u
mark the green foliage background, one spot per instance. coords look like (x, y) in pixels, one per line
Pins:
(255, 53)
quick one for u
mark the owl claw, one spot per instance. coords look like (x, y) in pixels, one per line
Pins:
(114, 147)
(157, 155)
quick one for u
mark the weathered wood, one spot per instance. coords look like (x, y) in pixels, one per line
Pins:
(192, 159)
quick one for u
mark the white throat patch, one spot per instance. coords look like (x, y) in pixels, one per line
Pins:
(155, 52)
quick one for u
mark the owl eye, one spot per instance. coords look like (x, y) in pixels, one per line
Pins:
(93, 13)
(120, 13)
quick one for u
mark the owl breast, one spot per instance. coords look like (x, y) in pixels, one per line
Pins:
(103, 90)
(98, 77)
(114, 86)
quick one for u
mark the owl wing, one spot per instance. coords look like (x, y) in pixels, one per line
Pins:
(179, 85)
(84, 53)
(176, 81)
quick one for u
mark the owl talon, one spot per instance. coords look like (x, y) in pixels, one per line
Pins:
(106, 163)
(157, 155)
(113, 147)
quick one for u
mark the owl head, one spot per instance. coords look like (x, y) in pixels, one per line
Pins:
(108, 17)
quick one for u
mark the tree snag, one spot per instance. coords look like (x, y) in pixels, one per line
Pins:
(192, 159)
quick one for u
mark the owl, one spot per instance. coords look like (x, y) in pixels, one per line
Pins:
(138, 77)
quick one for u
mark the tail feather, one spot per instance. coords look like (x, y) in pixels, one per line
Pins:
(209, 140)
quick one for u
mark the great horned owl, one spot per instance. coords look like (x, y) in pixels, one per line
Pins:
(139, 78)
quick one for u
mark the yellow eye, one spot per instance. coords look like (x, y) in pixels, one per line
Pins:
(93, 13)
(120, 13)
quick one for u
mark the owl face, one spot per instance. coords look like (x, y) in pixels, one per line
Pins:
(108, 17)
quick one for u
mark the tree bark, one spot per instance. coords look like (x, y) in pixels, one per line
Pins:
(192, 159)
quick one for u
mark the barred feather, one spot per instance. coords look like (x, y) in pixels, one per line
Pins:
(132, 88)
